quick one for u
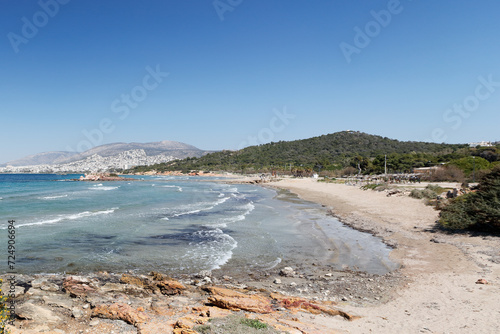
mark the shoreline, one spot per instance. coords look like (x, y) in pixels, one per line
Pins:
(442, 269)
(436, 282)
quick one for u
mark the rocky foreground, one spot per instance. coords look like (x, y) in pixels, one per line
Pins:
(286, 300)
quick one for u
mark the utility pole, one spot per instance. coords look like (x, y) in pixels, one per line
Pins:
(385, 165)
(474, 169)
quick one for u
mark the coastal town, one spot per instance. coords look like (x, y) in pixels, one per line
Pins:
(95, 163)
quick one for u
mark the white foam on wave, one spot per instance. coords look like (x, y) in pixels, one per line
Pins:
(103, 188)
(249, 207)
(216, 251)
(186, 213)
(238, 196)
(164, 177)
(217, 225)
(178, 188)
(54, 197)
(200, 209)
(220, 201)
(74, 216)
(272, 264)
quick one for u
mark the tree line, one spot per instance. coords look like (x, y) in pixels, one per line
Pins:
(346, 152)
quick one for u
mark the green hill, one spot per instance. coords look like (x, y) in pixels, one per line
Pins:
(329, 152)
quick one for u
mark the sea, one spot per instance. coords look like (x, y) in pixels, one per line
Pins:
(171, 224)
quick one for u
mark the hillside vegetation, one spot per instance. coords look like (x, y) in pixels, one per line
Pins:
(478, 210)
(328, 152)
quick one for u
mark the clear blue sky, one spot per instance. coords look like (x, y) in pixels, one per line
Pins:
(227, 78)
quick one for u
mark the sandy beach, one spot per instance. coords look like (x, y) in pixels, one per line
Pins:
(441, 294)
(435, 290)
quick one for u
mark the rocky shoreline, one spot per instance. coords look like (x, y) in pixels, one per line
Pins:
(288, 299)
(292, 298)
(441, 276)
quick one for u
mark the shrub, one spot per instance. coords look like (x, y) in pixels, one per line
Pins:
(434, 187)
(428, 193)
(370, 186)
(347, 171)
(375, 186)
(476, 211)
(235, 324)
(449, 173)
(457, 214)
(253, 323)
(417, 193)
(469, 164)
(4, 314)
(423, 193)
(327, 179)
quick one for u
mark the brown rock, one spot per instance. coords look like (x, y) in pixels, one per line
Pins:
(76, 287)
(184, 331)
(117, 311)
(157, 276)
(155, 326)
(184, 326)
(137, 281)
(165, 286)
(292, 303)
(170, 287)
(236, 301)
(181, 323)
(482, 281)
(217, 312)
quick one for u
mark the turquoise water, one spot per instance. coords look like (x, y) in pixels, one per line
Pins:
(171, 224)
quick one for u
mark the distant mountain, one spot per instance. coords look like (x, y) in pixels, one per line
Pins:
(175, 149)
(45, 158)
